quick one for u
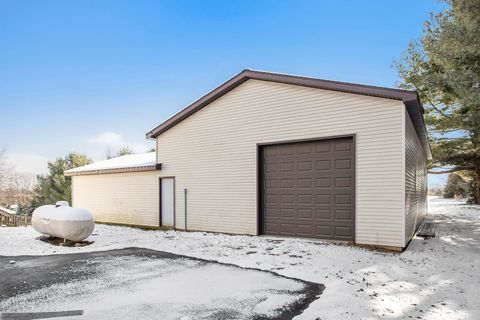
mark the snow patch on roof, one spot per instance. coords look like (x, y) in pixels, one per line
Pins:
(123, 162)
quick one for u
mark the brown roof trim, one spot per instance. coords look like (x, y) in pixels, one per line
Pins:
(410, 98)
(154, 167)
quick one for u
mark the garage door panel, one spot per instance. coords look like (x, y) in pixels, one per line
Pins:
(342, 182)
(343, 164)
(271, 212)
(346, 215)
(272, 198)
(287, 212)
(304, 183)
(309, 189)
(343, 231)
(324, 182)
(271, 228)
(288, 228)
(305, 165)
(305, 149)
(287, 183)
(322, 147)
(305, 213)
(305, 199)
(287, 166)
(324, 214)
(343, 199)
(279, 191)
(286, 149)
(343, 217)
(324, 231)
(323, 164)
(272, 167)
(287, 198)
(343, 146)
(305, 229)
(279, 175)
(323, 198)
(272, 183)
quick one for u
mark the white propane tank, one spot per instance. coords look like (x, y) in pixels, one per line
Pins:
(62, 221)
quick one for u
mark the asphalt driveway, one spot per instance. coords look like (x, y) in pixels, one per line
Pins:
(134, 282)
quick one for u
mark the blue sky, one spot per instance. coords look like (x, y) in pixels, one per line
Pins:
(81, 75)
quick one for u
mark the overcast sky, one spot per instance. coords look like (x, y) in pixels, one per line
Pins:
(84, 75)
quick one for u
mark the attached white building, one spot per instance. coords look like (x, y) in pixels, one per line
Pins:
(123, 190)
(278, 155)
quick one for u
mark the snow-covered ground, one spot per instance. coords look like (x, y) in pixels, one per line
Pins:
(437, 278)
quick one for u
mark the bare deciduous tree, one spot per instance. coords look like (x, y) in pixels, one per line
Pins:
(18, 189)
(121, 151)
(15, 188)
(3, 168)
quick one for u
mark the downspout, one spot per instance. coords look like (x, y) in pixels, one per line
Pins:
(185, 198)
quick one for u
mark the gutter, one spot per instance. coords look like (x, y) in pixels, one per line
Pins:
(154, 167)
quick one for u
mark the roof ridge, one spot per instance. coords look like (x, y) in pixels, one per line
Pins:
(326, 80)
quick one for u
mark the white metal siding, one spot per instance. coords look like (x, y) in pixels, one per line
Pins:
(213, 154)
(125, 198)
(415, 180)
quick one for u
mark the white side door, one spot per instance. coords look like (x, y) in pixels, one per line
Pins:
(167, 202)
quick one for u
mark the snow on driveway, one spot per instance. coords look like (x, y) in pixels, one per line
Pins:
(147, 284)
(437, 278)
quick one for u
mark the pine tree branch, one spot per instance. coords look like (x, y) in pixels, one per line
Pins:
(444, 130)
(455, 169)
(434, 106)
(450, 139)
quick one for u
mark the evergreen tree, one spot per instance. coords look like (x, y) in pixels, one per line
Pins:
(456, 187)
(444, 67)
(55, 186)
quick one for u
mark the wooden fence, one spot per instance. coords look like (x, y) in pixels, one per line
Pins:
(13, 220)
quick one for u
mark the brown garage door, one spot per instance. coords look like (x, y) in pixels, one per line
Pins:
(309, 189)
